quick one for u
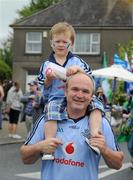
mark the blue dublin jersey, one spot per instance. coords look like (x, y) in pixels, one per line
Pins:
(57, 87)
(74, 159)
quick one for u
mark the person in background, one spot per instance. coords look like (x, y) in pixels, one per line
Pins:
(7, 84)
(62, 36)
(38, 106)
(128, 114)
(31, 100)
(74, 159)
(14, 107)
(100, 94)
(1, 101)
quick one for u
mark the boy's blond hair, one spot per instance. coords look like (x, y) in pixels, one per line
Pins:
(63, 27)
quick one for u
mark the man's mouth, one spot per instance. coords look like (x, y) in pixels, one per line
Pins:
(78, 101)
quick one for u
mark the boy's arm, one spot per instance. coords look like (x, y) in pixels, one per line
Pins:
(44, 83)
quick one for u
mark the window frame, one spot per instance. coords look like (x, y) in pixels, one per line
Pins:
(91, 44)
(33, 42)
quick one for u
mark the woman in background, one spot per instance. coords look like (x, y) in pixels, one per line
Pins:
(1, 100)
(13, 101)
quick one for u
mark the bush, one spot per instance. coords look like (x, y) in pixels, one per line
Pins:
(5, 71)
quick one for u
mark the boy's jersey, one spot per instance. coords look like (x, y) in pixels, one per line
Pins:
(57, 87)
(74, 159)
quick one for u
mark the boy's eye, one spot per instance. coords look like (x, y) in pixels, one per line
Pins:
(64, 42)
(57, 42)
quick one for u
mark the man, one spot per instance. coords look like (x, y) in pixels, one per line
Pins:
(130, 124)
(74, 159)
(31, 101)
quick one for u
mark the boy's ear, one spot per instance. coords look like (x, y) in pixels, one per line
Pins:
(51, 43)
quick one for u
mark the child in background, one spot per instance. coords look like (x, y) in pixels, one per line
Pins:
(62, 36)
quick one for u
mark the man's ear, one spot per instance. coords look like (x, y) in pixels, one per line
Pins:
(65, 90)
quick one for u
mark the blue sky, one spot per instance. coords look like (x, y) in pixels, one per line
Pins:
(8, 13)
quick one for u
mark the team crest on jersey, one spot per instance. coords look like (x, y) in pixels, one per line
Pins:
(69, 148)
(86, 133)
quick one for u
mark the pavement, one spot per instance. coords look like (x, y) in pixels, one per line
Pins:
(21, 130)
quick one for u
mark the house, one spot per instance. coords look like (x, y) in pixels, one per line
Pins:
(99, 26)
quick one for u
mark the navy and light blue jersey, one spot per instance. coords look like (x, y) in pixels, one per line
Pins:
(56, 90)
(74, 159)
(57, 87)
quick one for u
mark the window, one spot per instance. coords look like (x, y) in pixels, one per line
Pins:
(87, 43)
(33, 42)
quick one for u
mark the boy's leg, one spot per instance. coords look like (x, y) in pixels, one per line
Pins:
(50, 129)
(95, 126)
(95, 122)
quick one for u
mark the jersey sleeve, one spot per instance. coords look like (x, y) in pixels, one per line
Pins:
(41, 80)
(109, 135)
(37, 132)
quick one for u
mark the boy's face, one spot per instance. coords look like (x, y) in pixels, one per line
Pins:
(60, 44)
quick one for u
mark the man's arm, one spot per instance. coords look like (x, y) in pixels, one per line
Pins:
(31, 153)
(113, 158)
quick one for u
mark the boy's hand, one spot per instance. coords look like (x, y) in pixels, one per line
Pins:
(73, 70)
(50, 75)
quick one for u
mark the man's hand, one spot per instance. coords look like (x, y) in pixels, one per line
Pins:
(98, 141)
(49, 145)
(113, 158)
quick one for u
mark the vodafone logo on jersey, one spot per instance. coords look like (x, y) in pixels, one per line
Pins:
(69, 148)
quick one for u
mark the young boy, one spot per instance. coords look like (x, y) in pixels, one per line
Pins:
(62, 36)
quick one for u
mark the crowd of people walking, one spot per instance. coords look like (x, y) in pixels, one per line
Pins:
(16, 106)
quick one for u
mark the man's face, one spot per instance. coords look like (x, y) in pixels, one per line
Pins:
(79, 93)
(32, 88)
(60, 44)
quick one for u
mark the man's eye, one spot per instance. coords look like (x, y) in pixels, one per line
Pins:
(86, 91)
(75, 89)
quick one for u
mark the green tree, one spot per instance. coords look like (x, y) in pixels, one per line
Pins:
(35, 6)
(6, 54)
(125, 48)
(5, 71)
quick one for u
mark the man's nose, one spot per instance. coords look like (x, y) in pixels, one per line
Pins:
(80, 94)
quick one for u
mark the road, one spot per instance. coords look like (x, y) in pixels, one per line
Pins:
(12, 168)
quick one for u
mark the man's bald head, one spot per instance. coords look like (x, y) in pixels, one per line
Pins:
(83, 78)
